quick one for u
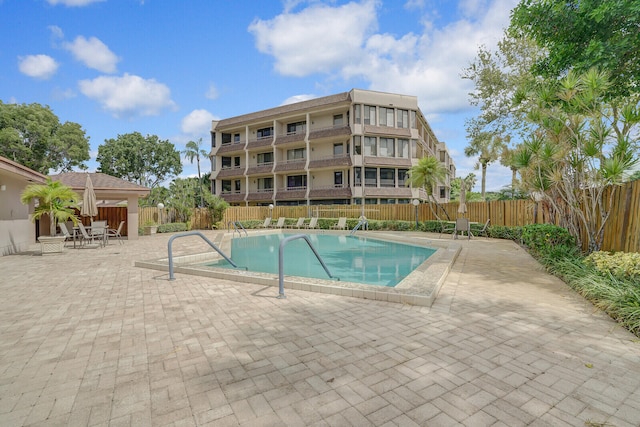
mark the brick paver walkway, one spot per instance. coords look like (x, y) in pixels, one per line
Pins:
(87, 339)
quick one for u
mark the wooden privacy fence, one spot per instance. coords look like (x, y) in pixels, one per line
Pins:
(622, 231)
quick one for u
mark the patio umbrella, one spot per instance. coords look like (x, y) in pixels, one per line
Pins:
(89, 203)
(462, 207)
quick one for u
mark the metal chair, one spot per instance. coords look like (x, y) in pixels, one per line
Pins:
(116, 232)
(462, 225)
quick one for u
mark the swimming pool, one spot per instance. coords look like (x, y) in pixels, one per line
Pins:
(349, 258)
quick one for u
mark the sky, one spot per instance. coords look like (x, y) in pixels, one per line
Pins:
(168, 68)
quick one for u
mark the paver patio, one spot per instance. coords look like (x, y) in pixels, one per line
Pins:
(87, 339)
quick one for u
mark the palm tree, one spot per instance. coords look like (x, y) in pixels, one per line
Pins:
(428, 173)
(193, 151)
(487, 147)
(54, 199)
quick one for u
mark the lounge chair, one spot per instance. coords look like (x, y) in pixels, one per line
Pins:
(297, 224)
(341, 224)
(313, 223)
(65, 232)
(280, 223)
(267, 222)
(99, 231)
(85, 237)
(116, 232)
(483, 231)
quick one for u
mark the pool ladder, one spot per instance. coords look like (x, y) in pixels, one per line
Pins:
(362, 224)
(237, 226)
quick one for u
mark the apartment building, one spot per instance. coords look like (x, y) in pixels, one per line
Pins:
(350, 148)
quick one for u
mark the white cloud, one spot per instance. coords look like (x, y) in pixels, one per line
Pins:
(129, 95)
(212, 92)
(197, 122)
(342, 39)
(73, 3)
(56, 32)
(93, 53)
(37, 66)
(317, 39)
(298, 98)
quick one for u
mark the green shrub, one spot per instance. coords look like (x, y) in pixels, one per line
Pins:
(545, 238)
(621, 265)
(173, 227)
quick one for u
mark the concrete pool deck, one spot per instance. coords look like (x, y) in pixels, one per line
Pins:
(88, 339)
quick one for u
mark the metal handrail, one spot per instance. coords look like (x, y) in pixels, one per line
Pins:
(192, 233)
(235, 227)
(281, 261)
(362, 223)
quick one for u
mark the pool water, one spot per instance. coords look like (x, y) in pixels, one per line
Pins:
(349, 258)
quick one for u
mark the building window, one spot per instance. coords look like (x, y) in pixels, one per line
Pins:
(236, 138)
(337, 120)
(403, 119)
(226, 138)
(297, 127)
(370, 146)
(213, 164)
(213, 139)
(414, 148)
(369, 115)
(265, 158)
(370, 177)
(296, 154)
(236, 184)
(265, 184)
(338, 150)
(226, 163)
(337, 179)
(387, 177)
(412, 123)
(443, 192)
(387, 201)
(387, 147)
(357, 145)
(402, 177)
(296, 182)
(386, 116)
(443, 156)
(236, 162)
(264, 132)
(226, 186)
(356, 114)
(357, 176)
(403, 148)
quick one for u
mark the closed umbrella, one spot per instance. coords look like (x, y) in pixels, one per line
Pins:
(89, 203)
(462, 207)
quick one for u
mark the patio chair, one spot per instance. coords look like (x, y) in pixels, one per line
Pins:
(462, 225)
(267, 222)
(99, 231)
(341, 224)
(280, 223)
(483, 231)
(447, 227)
(85, 237)
(313, 223)
(115, 232)
(65, 232)
(297, 224)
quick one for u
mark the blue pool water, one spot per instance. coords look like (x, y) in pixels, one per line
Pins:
(350, 258)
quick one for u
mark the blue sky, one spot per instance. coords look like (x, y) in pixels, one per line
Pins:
(168, 68)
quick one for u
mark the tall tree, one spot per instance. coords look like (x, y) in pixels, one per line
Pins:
(193, 151)
(147, 161)
(31, 134)
(427, 174)
(581, 34)
(488, 148)
(574, 153)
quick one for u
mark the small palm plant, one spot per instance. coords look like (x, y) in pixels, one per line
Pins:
(427, 174)
(54, 199)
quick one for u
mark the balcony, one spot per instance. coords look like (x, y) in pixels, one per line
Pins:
(330, 161)
(333, 191)
(288, 193)
(265, 194)
(391, 192)
(260, 142)
(262, 168)
(232, 197)
(290, 138)
(329, 132)
(226, 172)
(230, 148)
(290, 165)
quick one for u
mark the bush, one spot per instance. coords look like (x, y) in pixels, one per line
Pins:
(172, 227)
(507, 233)
(620, 264)
(546, 238)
